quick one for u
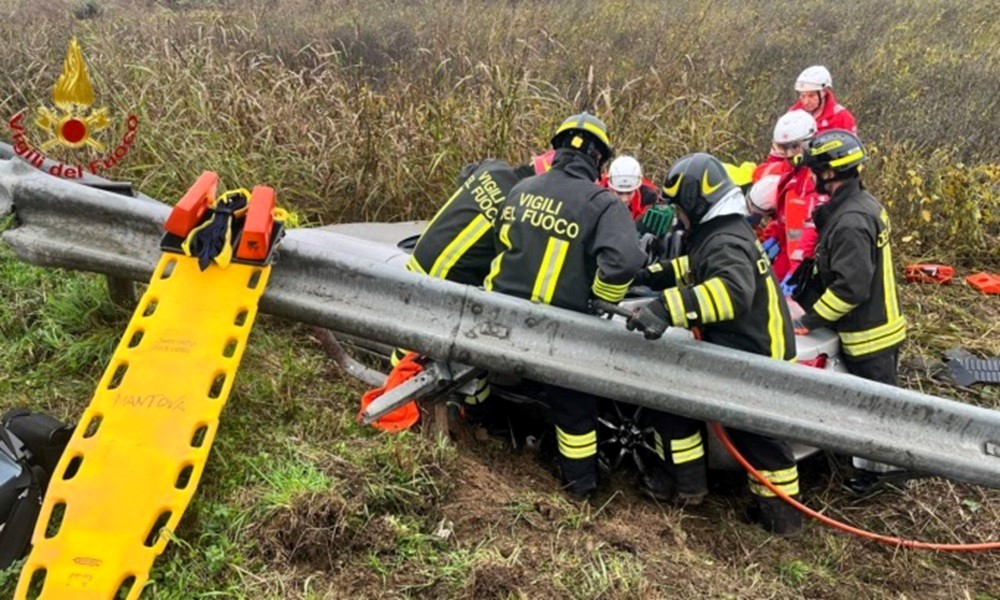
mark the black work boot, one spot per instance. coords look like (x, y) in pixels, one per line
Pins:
(686, 485)
(578, 476)
(692, 482)
(657, 483)
(865, 483)
(775, 515)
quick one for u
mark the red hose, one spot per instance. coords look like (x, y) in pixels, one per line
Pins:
(892, 541)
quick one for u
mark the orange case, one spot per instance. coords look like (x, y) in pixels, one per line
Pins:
(256, 238)
(192, 206)
(986, 283)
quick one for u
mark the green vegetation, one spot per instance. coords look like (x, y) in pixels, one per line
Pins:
(365, 111)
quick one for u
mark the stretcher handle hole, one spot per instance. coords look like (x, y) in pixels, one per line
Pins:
(73, 467)
(93, 426)
(55, 520)
(168, 269)
(154, 531)
(118, 376)
(254, 279)
(184, 477)
(199, 436)
(230, 350)
(217, 384)
(136, 338)
(124, 588)
(241, 317)
(37, 584)
(150, 307)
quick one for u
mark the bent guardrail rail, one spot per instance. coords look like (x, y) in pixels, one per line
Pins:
(318, 280)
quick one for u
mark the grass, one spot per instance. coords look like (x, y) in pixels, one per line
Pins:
(365, 111)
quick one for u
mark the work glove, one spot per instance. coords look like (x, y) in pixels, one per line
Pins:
(771, 247)
(653, 246)
(788, 286)
(597, 310)
(652, 319)
(644, 276)
(657, 219)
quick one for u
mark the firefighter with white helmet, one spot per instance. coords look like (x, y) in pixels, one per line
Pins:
(815, 89)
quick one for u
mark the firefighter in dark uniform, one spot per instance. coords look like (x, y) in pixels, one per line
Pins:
(852, 289)
(723, 286)
(457, 245)
(563, 240)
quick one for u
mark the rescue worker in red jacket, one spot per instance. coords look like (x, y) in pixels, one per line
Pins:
(815, 89)
(563, 240)
(723, 286)
(853, 288)
(624, 178)
(786, 193)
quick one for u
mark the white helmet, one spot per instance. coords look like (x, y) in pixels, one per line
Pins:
(813, 79)
(625, 174)
(794, 126)
(763, 196)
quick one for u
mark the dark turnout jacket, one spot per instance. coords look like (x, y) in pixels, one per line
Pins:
(457, 244)
(562, 239)
(854, 265)
(725, 286)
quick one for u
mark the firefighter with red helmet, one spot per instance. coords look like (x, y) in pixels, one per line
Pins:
(563, 240)
(723, 286)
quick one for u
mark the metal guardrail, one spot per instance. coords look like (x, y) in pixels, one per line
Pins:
(315, 281)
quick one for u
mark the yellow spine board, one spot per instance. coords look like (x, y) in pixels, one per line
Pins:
(137, 455)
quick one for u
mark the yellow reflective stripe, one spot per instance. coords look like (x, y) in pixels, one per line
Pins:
(504, 237)
(607, 291)
(680, 458)
(775, 320)
(414, 265)
(832, 308)
(441, 210)
(889, 284)
(594, 129)
(397, 355)
(786, 480)
(681, 266)
(853, 156)
(457, 248)
(705, 305)
(482, 392)
(720, 293)
(658, 445)
(857, 337)
(686, 443)
(655, 267)
(549, 271)
(685, 450)
(577, 446)
(675, 303)
(859, 343)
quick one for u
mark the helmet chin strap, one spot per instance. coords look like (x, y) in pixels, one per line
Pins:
(821, 186)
